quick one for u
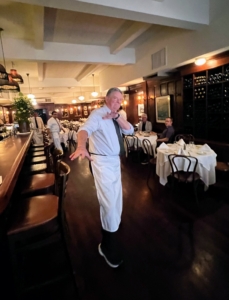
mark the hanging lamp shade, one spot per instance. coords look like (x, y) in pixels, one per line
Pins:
(16, 77)
(94, 93)
(30, 95)
(7, 84)
(81, 98)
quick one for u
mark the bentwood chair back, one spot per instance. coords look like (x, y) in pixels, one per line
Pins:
(151, 159)
(188, 173)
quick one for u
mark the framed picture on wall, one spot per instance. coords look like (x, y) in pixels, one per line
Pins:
(163, 110)
(140, 109)
(85, 107)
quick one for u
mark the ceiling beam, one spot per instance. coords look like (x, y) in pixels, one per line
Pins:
(134, 31)
(40, 71)
(38, 27)
(67, 52)
(190, 15)
(86, 71)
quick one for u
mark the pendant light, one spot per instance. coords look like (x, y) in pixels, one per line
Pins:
(94, 93)
(17, 77)
(81, 97)
(74, 100)
(30, 95)
(7, 84)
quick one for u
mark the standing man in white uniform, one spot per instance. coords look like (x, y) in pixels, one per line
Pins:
(37, 127)
(104, 128)
(54, 127)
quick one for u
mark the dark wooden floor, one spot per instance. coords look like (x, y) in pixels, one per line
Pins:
(172, 248)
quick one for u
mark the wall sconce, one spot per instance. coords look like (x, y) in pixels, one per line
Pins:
(79, 107)
(200, 61)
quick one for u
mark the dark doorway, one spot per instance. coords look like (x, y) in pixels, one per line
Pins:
(42, 113)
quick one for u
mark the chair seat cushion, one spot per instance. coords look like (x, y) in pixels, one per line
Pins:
(37, 146)
(33, 154)
(222, 166)
(36, 168)
(186, 176)
(33, 212)
(36, 160)
(35, 149)
(38, 182)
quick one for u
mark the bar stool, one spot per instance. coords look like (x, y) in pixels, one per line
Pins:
(35, 160)
(37, 146)
(42, 183)
(34, 169)
(35, 235)
(36, 153)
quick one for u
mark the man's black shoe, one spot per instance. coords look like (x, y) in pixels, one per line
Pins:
(109, 262)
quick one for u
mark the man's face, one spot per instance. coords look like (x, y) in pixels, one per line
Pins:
(144, 118)
(114, 101)
(168, 122)
(54, 115)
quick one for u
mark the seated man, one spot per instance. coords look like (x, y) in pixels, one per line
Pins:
(167, 135)
(145, 125)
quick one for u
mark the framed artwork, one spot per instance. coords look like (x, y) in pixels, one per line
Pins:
(85, 107)
(85, 113)
(140, 109)
(162, 108)
(65, 113)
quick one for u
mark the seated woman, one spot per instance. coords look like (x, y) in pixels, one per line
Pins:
(145, 125)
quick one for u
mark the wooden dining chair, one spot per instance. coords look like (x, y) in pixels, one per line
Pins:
(151, 159)
(188, 174)
(37, 240)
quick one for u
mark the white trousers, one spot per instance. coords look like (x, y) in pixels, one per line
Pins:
(38, 136)
(56, 140)
(107, 176)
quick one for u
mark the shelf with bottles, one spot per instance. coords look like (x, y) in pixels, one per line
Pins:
(226, 90)
(200, 78)
(214, 120)
(214, 106)
(215, 75)
(215, 92)
(225, 105)
(199, 92)
(188, 82)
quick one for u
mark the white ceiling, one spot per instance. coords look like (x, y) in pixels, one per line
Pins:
(61, 43)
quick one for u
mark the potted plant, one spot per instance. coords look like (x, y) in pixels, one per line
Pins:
(23, 110)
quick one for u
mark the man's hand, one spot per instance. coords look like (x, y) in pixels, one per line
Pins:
(80, 152)
(110, 115)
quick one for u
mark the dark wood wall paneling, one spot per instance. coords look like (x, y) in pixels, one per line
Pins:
(156, 88)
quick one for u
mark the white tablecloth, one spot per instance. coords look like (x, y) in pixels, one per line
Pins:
(205, 167)
(151, 138)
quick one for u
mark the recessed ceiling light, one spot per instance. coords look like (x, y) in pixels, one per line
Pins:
(200, 61)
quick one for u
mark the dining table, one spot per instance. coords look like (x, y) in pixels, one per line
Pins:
(205, 167)
(141, 135)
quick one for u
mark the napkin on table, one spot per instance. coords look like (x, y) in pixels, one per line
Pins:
(181, 142)
(205, 147)
(163, 146)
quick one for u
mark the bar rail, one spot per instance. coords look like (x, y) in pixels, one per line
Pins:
(12, 155)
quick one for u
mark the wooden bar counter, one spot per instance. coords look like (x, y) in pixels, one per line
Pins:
(12, 155)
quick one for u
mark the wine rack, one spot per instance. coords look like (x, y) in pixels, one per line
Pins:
(206, 104)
